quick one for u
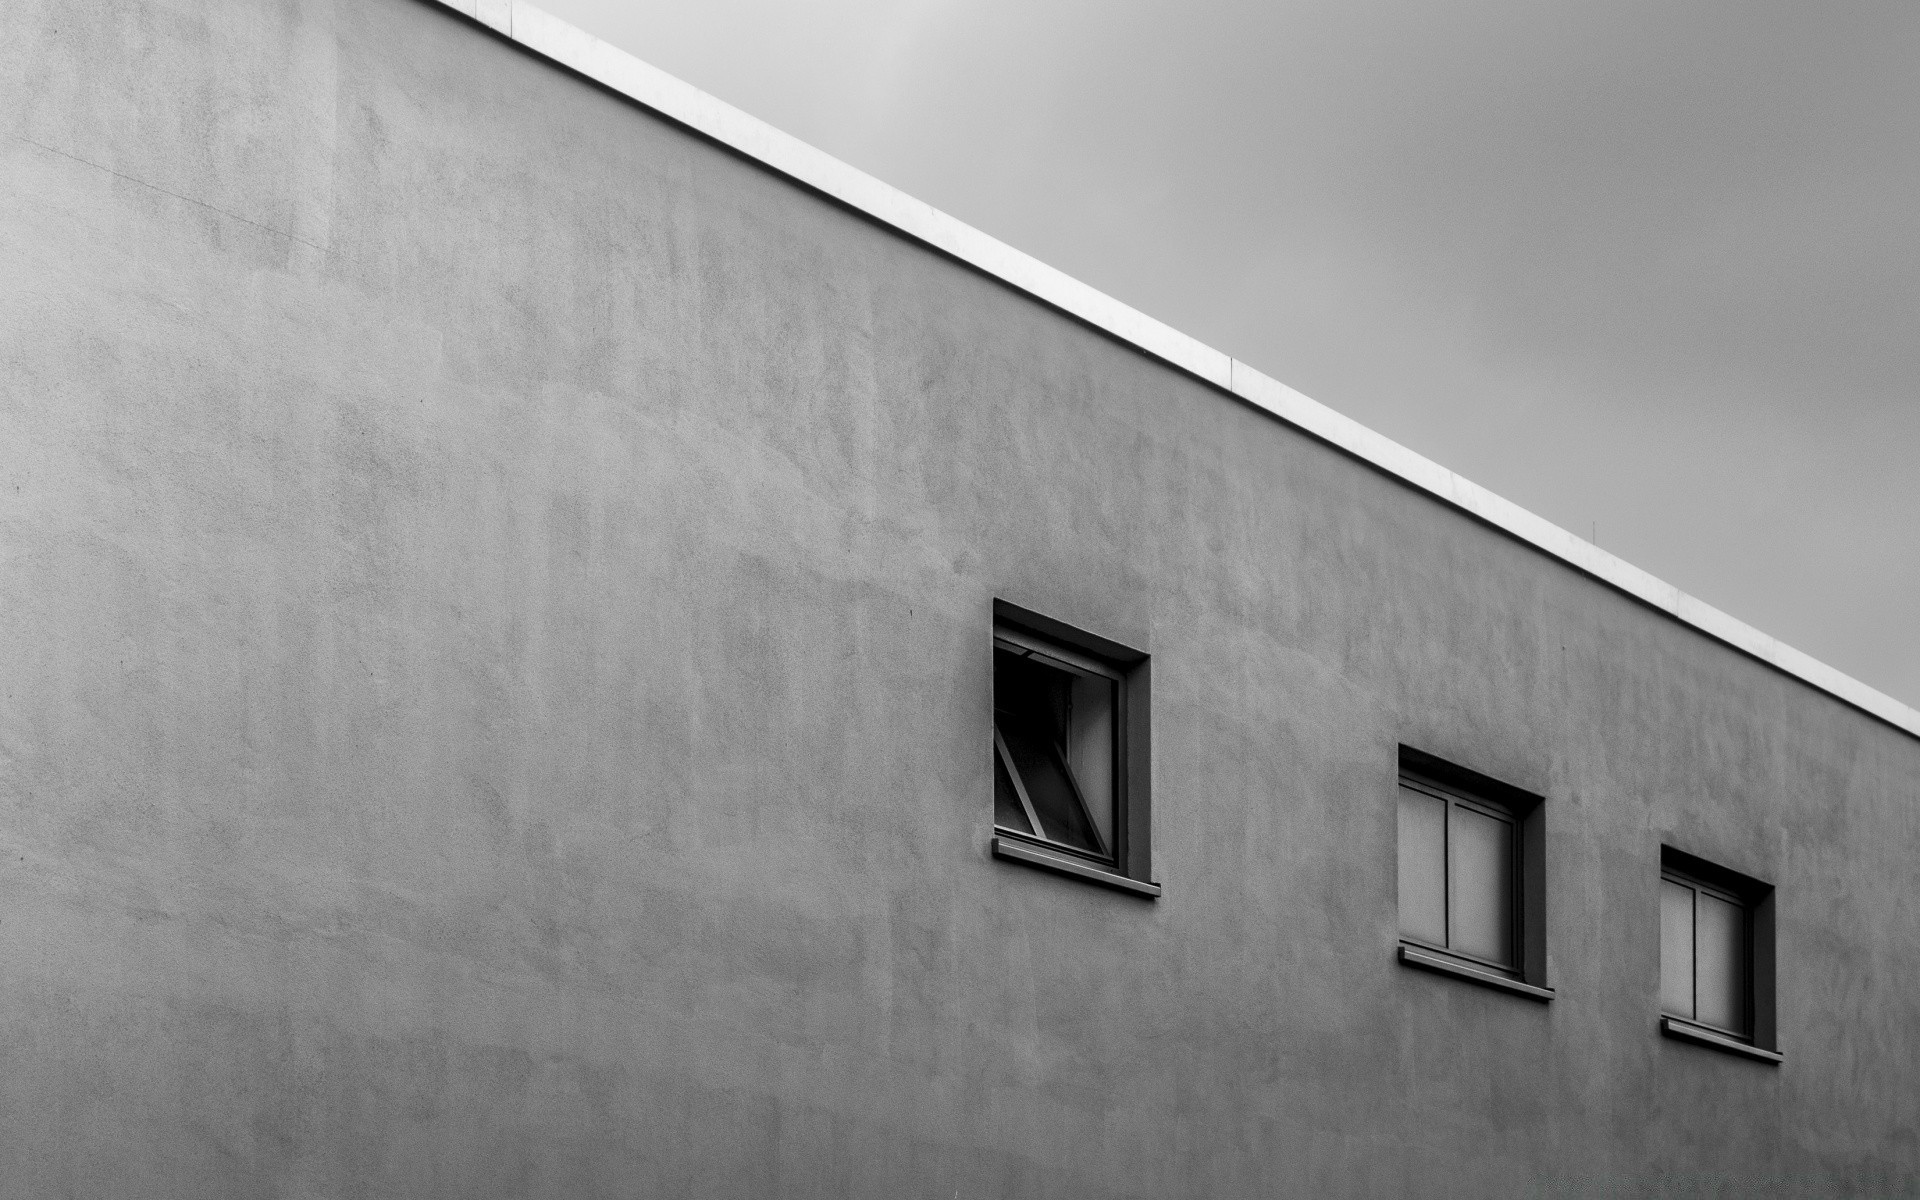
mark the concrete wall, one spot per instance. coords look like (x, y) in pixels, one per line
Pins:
(494, 697)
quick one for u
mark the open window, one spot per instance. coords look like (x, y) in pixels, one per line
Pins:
(1069, 751)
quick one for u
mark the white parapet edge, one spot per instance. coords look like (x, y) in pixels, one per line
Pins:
(613, 68)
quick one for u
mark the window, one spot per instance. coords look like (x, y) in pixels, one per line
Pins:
(1703, 954)
(1069, 751)
(1471, 889)
(1715, 956)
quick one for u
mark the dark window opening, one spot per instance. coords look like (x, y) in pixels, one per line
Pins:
(1070, 741)
(1054, 746)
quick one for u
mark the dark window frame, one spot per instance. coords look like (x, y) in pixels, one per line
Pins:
(1754, 899)
(1525, 812)
(1129, 865)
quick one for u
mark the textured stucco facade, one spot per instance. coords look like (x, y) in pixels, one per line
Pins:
(495, 606)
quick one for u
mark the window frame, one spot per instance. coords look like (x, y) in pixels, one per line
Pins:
(1055, 644)
(1754, 900)
(1524, 813)
(1453, 799)
(1698, 888)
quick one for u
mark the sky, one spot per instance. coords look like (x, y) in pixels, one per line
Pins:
(1649, 268)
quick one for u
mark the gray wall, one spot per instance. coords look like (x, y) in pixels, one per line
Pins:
(494, 642)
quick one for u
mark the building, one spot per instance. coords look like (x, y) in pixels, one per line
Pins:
(537, 612)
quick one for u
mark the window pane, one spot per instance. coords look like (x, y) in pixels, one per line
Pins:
(1423, 899)
(1480, 885)
(1036, 756)
(1676, 948)
(1033, 706)
(1007, 812)
(1090, 749)
(1720, 957)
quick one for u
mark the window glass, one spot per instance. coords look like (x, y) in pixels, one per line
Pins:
(1036, 756)
(1089, 746)
(1720, 966)
(1480, 885)
(1423, 898)
(1008, 812)
(1676, 948)
(1033, 716)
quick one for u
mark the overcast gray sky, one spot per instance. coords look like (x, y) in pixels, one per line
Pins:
(1650, 268)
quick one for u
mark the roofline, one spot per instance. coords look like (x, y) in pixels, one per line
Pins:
(576, 50)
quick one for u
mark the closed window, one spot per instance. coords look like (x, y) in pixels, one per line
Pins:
(1471, 886)
(1458, 873)
(1716, 956)
(1703, 954)
(1069, 751)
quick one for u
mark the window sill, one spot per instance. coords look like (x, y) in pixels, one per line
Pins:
(1426, 960)
(1036, 856)
(1686, 1031)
